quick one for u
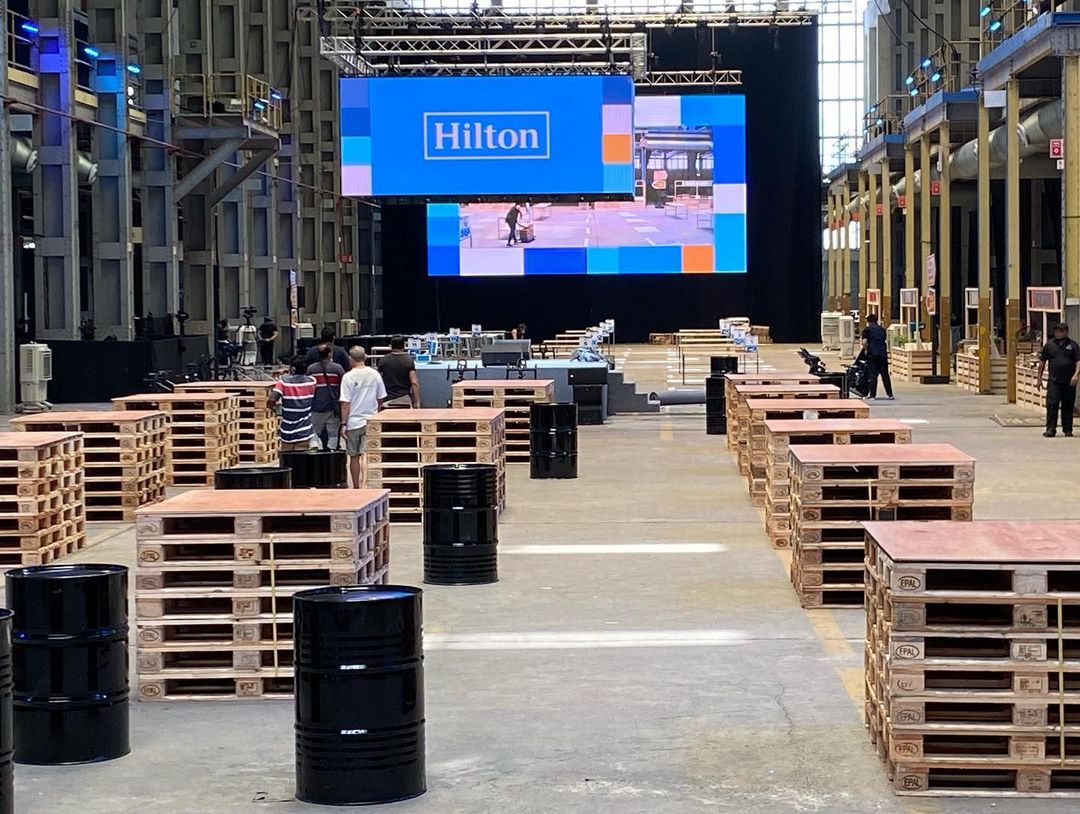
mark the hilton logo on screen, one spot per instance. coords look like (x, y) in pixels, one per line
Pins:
(502, 135)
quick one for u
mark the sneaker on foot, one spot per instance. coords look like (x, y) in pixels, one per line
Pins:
(1068, 434)
(869, 398)
(890, 398)
(1049, 434)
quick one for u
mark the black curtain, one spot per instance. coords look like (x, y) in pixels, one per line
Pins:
(782, 288)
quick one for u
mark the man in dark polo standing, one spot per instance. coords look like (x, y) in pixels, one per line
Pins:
(1062, 354)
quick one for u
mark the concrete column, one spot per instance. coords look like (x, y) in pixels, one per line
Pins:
(845, 264)
(944, 254)
(925, 206)
(911, 260)
(113, 281)
(58, 309)
(1012, 229)
(7, 249)
(864, 262)
(1070, 255)
(983, 204)
(830, 250)
(872, 230)
(885, 280)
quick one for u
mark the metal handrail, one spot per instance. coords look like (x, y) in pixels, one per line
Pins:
(217, 94)
(19, 41)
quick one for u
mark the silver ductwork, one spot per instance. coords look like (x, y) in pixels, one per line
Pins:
(87, 169)
(24, 158)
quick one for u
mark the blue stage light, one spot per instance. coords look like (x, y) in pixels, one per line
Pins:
(260, 104)
(276, 95)
(910, 80)
(914, 91)
(134, 69)
(985, 11)
(879, 122)
(935, 76)
(927, 62)
(30, 28)
(994, 26)
(91, 51)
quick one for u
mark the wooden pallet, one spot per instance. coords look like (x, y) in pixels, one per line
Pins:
(967, 372)
(216, 573)
(972, 645)
(258, 426)
(757, 411)
(836, 489)
(738, 416)
(463, 435)
(910, 364)
(514, 397)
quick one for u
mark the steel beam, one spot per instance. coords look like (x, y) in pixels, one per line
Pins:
(845, 275)
(886, 281)
(58, 304)
(944, 255)
(925, 204)
(1012, 230)
(983, 235)
(206, 167)
(1070, 255)
(911, 260)
(872, 219)
(864, 264)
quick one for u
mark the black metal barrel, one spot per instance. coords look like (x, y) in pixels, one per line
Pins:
(715, 404)
(70, 662)
(359, 666)
(553, 441)
(322, 469)
(723, 364)
(253, 477)
(7, 735)
(461, 524)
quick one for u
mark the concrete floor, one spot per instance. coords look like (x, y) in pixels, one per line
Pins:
(680, 677)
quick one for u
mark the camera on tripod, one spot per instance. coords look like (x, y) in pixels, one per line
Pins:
(248, 312)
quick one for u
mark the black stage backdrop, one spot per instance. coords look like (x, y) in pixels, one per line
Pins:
(782, 288)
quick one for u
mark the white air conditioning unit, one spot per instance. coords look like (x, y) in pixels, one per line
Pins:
(305, 330)
(830, 330)
(847, 338)
(348, 327)
(35, 371)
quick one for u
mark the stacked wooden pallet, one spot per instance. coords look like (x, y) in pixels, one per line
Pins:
(514, 397)
(42, 516)
(790, 409)
(910, 362)
(216, 572)
(835, 489)
(402, 442)
(259, 429)
(732, 400)
(967, 371)
(1029, 392)
(761, 333)
(781, 436)
(762, 392)
(971, 657)
(202, 433)
(124, 457)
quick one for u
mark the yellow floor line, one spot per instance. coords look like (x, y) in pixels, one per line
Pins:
(666, 427)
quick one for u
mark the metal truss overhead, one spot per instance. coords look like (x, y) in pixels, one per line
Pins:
(675, 79)
(375, 39)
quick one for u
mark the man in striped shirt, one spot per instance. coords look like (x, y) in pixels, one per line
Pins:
(295, 391)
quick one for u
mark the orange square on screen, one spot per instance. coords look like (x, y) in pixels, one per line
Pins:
(697, 259)
(617, 149)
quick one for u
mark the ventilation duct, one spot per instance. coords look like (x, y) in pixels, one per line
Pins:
(24, 158)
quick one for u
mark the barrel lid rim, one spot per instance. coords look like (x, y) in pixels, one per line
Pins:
(255, 469)
(358, 593)
(68, 570)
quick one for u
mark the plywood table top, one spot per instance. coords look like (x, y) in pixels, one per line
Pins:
(502, 384)
(266, 501)
(872, 454)
(456, 414)
(751, 390)
(980, 541)
(788, 405)
(173, 397)
(822, 425)
(85, 417)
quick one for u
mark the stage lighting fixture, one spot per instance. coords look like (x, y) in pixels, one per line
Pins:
(935, 76)
(995, 25)
(134, 69)
(910, 80)
(91, 51)
(985, 11)
(29, 27)
(260, 104)
(879, 122)
(914, 91)
(873, 108)
(276, 95)
(927, 62)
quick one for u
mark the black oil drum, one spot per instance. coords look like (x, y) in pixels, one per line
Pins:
(838, 380)
(553, 441)
(321, 469)
(359, 666)
(70, 649)
(253, 477)
(461, 524)
(7, 735)
(719, 365)
(715, 404)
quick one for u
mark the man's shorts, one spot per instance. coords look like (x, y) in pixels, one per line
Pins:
(356, 441)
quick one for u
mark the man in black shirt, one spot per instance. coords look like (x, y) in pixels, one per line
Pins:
(1063, 354)
(511, 221)
(338, 355)
(877, 356)
(268, 332)
(398, 370)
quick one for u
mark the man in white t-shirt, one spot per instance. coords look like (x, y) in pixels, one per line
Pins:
(362, 395)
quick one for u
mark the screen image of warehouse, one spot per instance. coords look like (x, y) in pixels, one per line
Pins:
(688, 214)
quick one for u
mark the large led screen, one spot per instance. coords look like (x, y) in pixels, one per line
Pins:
(688, 215)
(465, 137)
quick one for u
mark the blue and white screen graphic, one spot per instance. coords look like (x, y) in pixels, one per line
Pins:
(486, 135)
(688, 215)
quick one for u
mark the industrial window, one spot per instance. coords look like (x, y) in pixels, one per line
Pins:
(840, 82)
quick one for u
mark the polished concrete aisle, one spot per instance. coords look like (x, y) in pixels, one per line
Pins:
(643, 651)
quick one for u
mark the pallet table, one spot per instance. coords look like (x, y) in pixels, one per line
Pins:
(836, 489)
(42, 515)
(911, 362)
(215, 575)
(752, 457)
(202, 433)
(967, 371)
(515, 397)
(739, 417)
(782, 436)
(401, 442)
(971, 664)
(259, 427)
(124, 456)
